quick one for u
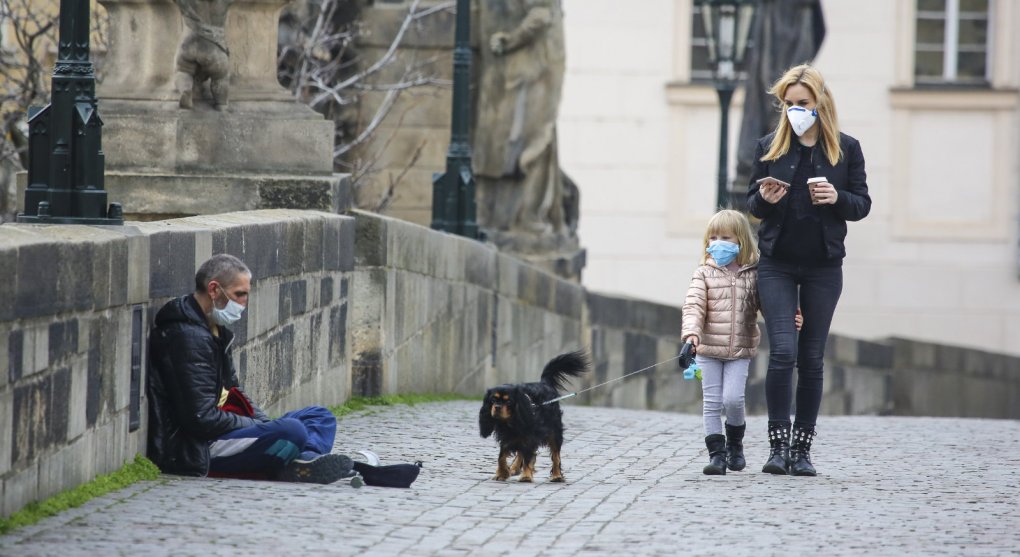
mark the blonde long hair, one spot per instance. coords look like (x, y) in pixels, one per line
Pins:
(809, 77)
(732, 223)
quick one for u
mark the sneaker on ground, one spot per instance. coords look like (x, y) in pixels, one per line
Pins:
(323, 469)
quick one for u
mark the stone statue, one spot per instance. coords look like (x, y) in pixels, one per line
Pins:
(786, 33)
(203, 61)
(521, 201)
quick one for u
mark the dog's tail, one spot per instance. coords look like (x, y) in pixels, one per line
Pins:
(571, 364)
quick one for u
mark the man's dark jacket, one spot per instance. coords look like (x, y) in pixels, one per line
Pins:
(188, 369)
(847, 176)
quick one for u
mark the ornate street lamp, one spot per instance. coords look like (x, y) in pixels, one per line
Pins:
(65, 153)
(727, 26)
(453, 192)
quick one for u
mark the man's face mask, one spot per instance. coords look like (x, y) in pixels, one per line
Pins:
(230, 313)
(801, 119)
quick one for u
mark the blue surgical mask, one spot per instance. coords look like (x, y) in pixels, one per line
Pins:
(230, 313)
(722, 251)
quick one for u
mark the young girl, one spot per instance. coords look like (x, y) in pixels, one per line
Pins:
(720, 318)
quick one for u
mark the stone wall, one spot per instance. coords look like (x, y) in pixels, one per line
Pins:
(438, 313)
(936, 380)
(364, 305)
(628, 335)
(904, 377)
(75, 307)
(892, 377)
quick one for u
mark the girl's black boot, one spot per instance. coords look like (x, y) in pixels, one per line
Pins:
(779, 454)
(735, 447)
(800, 451)
(716, 444)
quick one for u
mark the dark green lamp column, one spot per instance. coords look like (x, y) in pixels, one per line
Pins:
(727, 26)
(65, 152)
(453, 192)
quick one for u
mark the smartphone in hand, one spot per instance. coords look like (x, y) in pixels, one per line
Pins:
(769, 180)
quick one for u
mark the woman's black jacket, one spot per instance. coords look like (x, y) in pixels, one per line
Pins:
(848, 176)
(188, 369)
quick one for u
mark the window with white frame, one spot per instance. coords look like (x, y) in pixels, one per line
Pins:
(952, 42)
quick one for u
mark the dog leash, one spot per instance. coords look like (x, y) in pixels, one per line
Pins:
(575, 393)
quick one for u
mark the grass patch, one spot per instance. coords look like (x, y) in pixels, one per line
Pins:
(360, 403)
(141, 469)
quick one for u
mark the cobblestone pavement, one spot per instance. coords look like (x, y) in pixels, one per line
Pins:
(887, 486)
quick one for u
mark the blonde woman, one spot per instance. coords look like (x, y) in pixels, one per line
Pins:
(807, 181)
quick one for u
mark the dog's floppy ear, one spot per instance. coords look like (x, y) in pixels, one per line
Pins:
(485, 422)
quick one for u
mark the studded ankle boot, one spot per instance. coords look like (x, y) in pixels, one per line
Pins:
(735, 447)
(800, 451)
(716, 444)
(779, 454)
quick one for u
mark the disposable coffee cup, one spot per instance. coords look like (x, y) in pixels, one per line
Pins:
(811, 185)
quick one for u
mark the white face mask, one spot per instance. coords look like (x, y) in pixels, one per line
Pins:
(230, 312)
(801, 118)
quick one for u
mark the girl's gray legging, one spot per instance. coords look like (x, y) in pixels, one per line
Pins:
(722, 385)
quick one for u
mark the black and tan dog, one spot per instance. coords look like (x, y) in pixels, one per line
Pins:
(523, 424)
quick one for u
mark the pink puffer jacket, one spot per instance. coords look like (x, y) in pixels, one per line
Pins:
(721, 309)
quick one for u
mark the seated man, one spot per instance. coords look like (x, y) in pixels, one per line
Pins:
(200, 422)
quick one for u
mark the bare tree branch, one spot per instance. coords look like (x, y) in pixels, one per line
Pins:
(388, 195)
(320, 65)
(380, 114)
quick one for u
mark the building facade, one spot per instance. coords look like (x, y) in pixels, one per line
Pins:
(929, 87)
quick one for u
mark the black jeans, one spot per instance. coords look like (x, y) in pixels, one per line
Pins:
(782, 288)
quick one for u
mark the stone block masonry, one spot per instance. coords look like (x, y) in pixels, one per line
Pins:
(365, 305)
(439, 313)
(628, 335)
(72, 396)
(899, 377)
(904, 377)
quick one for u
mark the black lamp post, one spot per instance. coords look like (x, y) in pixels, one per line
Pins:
(727, 26)
(65, 153)
(453, 192)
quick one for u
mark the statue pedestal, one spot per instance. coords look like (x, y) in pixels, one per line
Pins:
(155, 196)
(263, 150)
(150, 136)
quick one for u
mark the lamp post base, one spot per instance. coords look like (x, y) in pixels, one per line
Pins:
(115, 217)
(32, 219)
